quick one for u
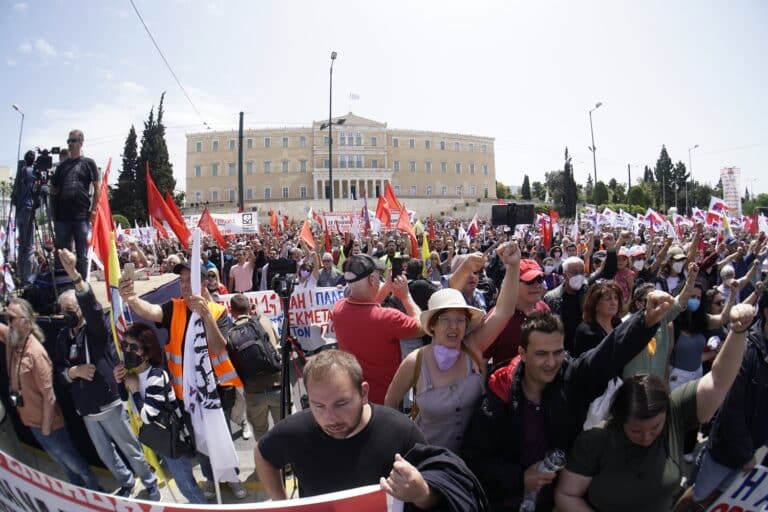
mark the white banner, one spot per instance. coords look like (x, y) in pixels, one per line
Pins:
(749, 492)
(309, 314)
(245, 223)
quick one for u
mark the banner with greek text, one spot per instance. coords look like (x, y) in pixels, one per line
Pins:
(230, 223)
(749, 492)
(309, 313)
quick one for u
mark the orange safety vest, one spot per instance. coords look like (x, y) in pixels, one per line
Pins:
(174, 353)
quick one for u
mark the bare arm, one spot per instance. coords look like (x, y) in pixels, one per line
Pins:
(141, 307)
(472, 263)
(269, 475)
(661, 256)
(717, 321)
(570, 491)
(690, 281)
(401, 382)
(694, 247)
(400, 290)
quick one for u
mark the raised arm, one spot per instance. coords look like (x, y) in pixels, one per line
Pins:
(690, 281)
(141, 307)
(661, 255)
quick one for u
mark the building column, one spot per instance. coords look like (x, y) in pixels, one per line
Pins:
(314, 188)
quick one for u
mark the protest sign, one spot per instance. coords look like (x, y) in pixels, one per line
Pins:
(748, 493)
(230, 223)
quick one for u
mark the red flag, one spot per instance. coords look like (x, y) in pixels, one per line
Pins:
(273, 222)
(553, 215)
(431, 235)
(389, 195)
(382, 211)
(752, 224)
(473, 228)
(208, 225)
(328, 244)
(159, 210)
(339, 230)
(161, 232)
(103, 224)
(501, 201)
(404, 224)
(306, 235)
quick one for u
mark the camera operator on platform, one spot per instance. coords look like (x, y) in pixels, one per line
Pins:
(74, 210)
(25, 199)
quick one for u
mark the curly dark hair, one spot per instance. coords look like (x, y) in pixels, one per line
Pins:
(147, 338)
(595, 293)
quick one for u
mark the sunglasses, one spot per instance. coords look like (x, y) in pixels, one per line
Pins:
(73, 141)
(535, 280)
(130, 347)
(211, 275)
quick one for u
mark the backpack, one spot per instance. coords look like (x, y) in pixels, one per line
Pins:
(251, 350)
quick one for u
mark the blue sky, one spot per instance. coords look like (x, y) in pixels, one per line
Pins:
(675, 73)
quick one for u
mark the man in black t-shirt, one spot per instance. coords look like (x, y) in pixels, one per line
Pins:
(73, 209)
(342, 441)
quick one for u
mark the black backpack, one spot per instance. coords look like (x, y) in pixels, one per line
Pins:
(251, 350)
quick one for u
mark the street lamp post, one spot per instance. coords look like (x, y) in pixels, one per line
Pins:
(592, 147)
(330, 131)
(21, 129)
(690, 179)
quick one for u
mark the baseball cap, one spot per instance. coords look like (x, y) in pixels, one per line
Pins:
(637, 250)
(529, 270)
(187, 265)
(676, 253)
(360, 266)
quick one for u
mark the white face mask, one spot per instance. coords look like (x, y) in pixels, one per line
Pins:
(638, 264)
(678, 266)
(304, 273)
(549, 268)
(576, 282)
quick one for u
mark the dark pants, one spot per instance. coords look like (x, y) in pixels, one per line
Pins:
(68, 231)
(25, 222)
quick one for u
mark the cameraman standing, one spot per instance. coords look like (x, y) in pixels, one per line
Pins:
(74, 211)
(25, 199)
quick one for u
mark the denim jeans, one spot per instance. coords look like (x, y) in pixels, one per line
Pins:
(710, 476)
(63, 451)
(181, 470)
(112, 429)
(25, 222)
(77, 231)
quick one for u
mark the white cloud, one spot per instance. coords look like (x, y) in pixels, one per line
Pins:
(20, 7)
(25, 47)
(10, 62)
(130, 88)
(45, 49)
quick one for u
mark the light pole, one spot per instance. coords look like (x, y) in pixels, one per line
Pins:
(592, 147)
(329, 125)
(21, 129)
(690, 179)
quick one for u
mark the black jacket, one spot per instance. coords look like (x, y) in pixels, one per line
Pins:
(741, 425)
(89, 397)
(492, 442)
(446, 473)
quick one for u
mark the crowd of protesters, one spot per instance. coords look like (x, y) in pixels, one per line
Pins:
(624, 350)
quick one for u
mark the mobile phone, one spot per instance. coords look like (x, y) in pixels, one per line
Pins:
(129, 270)
(397, 267)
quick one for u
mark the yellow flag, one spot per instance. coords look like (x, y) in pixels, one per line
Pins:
(342, 259)
(424, 253)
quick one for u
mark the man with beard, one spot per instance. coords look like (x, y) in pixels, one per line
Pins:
(30, 375)
(342, 441)
(85, 358)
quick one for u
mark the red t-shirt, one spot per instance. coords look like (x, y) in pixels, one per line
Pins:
(505, 346)
(372, 334)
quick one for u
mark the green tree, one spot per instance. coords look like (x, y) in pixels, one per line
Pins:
(538, 191)
(638, 197)
(154, 151)
(600, 194)
(680, 177)
(647, 175)
(588, 189)
(123, 197)
(502, 190)
(619, 193)
(554, 182)
(570, 190)
(663, 174)
(525, 190)
(746, 195)
(121, 221)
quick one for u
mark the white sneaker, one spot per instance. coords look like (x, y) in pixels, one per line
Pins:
(247, 432)
(238, 490)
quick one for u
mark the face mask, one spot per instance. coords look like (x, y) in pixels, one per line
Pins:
(549, 268)
(132, 360)
(638, 264)
(677, 267)
(304, 273)
(71, 319)
(576, 282)
(445, 356)
(693, 304)
(463, 250)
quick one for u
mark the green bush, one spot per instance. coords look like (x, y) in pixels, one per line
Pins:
(120, 220)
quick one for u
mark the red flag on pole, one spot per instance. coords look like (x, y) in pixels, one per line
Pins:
(431, 229)
(208, 225)
(389, 195)
(161, 232)
(382, 211)
(404, 224)
(328, 244)
(306, 235)
(159, 210)
(103, 224)
(273, 222)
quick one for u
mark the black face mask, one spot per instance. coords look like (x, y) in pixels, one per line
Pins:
(132, 360)
(71, 319)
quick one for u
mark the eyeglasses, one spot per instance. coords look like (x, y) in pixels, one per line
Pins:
(446, 320)
(535, 280)
(327, 261)
(73, 141)
(211, 276)
(130, 347)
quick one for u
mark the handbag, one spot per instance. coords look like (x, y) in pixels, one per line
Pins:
(164, 433)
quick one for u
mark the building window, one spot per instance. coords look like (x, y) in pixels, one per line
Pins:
(303, 165)
(471, 147)
(249, 194)
(231, 144)
(303, 192)
(429, 190)
(249, 143)
(326, 140)
(350, 139)
(285, 192)
(397, 190)
(412, 143)
(458, 167)
(458, 190)
(198, 171)
(413, 190)
(396, 167)
(457, 146)
(214, 195)
(472, 168)
(412, 166)
(484, 148)
(249, 168)
(358, 139)
(374, 164)
(231, 169)
(395, 142)
(198, 147)
(268, 193)
(326, 163)
(342, 161)
(374, 141)
(214, 169)
(267, 167)
(232, 195)
(485, 192)
(303, 141)
(342, 139)
(267, 142)
(428, 144)
(442, 145)
(214, 145)
(359, 160)
(285, 142)
(284, 166)
(472, 190)
(198, 197)
(428, 167)
(444, 190)
(485, 169)
(444, 167)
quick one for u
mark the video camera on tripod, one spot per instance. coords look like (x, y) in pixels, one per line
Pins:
(42, 167)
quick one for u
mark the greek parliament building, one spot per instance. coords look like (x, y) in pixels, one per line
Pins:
(287, 168)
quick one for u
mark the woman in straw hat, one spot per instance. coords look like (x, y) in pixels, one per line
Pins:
(447, 376)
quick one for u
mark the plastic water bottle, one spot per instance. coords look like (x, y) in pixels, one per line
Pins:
(553, 461)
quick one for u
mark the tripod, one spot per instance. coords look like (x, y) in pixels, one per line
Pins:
(47, 231)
